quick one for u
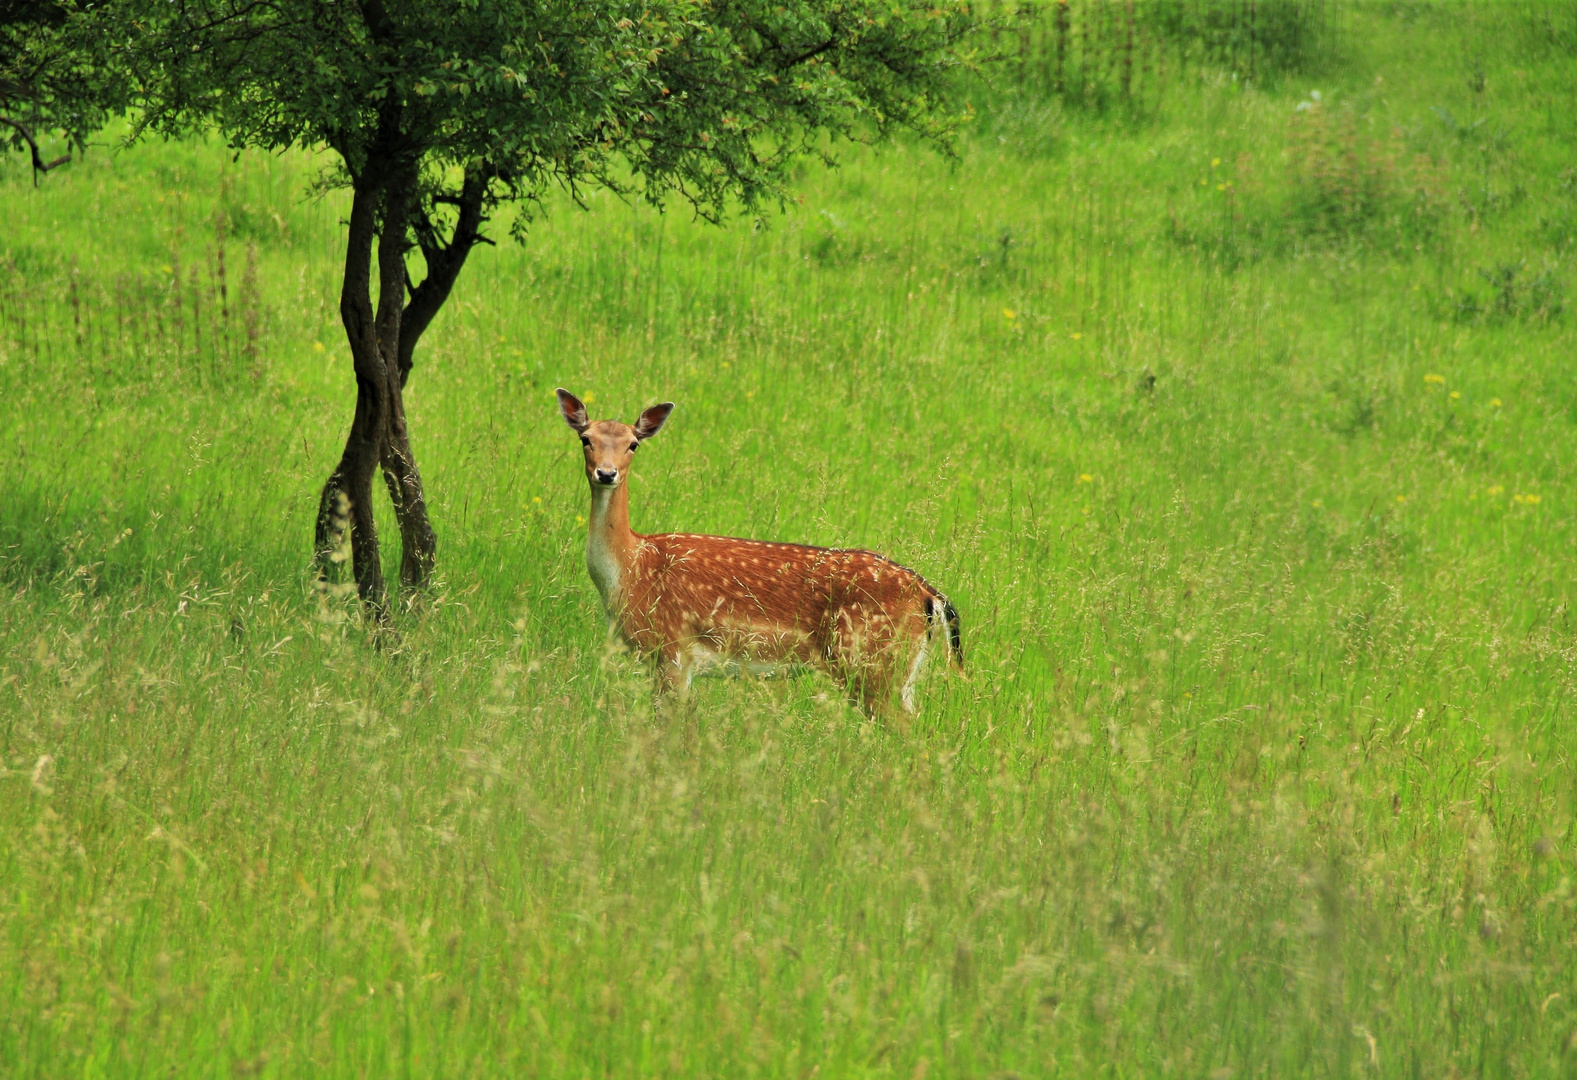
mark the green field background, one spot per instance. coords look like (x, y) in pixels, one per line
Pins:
(1238, 420)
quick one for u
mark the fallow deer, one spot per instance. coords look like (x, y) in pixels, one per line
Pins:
(697, 602)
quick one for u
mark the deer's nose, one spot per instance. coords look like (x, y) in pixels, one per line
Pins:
(607, 476)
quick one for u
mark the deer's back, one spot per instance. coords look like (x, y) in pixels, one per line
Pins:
(784, 598)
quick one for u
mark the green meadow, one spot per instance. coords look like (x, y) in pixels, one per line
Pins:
(1238, 417)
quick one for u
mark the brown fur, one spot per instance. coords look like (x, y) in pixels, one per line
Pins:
(686, 599)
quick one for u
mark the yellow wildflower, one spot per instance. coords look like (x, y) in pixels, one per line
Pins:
(1494, 402)
(1437, 380)
(1495, 489)
(1455, 394)
(1086, 478)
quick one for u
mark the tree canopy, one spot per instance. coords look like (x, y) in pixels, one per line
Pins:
(57, 75)
(439, 113)
(707, 100)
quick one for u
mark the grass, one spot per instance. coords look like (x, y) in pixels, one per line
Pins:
(1258, 527)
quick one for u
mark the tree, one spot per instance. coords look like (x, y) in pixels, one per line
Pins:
(441, 113)
(56, 75)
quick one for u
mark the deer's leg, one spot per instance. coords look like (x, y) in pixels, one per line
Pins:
(675, 666)
(872, 691)
(865, 672)
(916, 668)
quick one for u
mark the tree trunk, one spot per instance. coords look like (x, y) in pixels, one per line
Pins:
(346, 503)
(378, 433)
(382, 345)
(418, 541)
(444, 262)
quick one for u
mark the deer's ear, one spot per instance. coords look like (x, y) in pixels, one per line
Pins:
(573, 411)
(652, 420)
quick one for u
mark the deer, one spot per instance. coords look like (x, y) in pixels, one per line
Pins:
(704, 604)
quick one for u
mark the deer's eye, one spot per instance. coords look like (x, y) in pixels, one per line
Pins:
(585, 441)
(634, 446)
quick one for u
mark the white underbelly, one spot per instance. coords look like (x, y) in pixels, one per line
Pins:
(706, 662)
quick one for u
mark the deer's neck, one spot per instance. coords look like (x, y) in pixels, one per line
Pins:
(610, 545)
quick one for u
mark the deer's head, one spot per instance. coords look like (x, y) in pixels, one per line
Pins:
(609, 445)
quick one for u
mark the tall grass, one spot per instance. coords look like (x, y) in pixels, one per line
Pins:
(1259, 529)
(1128, 56)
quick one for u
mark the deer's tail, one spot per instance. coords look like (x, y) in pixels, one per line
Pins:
(942, 617)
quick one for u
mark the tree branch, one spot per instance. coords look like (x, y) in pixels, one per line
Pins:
(812, 53)
(444, 260)
(355, 302)
(399, 198)
(39, 164)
